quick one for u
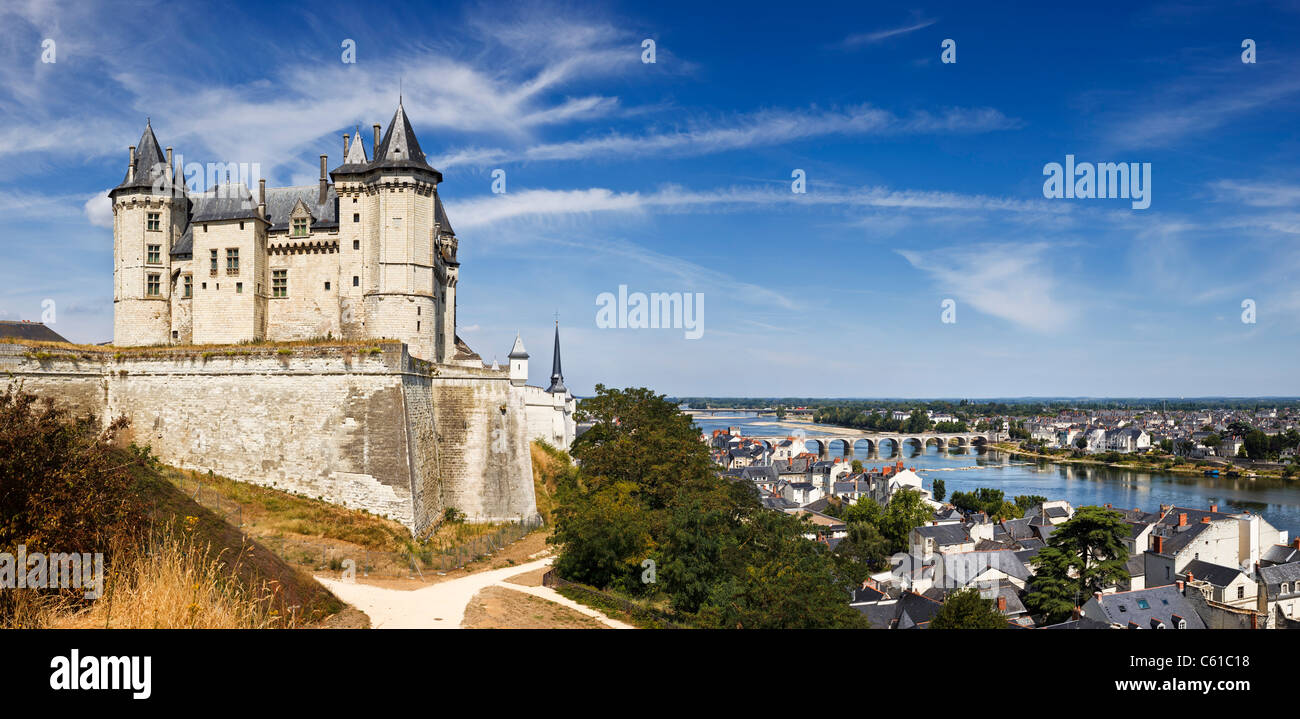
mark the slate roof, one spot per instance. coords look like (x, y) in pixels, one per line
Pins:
(1216, 574)
(150, 164)
(440, 216)
(1141, 606)
(280, 202)
(1278, 573)
(1080, 623)
(945, 534)
(1178, 541)
(28, 331)
(1280, 554)
(970, 565)
(518, 351)
(231, 201)
(399, 149)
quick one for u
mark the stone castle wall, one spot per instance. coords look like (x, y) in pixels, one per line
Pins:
(382, 432)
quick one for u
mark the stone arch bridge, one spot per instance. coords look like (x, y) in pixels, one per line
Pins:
(895, 441)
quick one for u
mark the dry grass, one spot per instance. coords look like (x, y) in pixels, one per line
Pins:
(550, 467)
(177, 581)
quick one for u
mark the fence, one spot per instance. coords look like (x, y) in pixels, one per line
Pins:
(413, 563)
(191, 483)
(645, 615)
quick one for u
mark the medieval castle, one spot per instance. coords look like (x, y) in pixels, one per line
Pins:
(413, 426)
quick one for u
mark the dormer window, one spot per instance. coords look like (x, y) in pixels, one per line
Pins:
(299, 220)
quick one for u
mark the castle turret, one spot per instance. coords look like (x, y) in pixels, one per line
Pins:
(149, 215)
(518, 363)
(387, 210)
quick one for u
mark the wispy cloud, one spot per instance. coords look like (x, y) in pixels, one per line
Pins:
(1257, 194)
(766, 128)
(1010, 281)
(483, 211)
(871, 38)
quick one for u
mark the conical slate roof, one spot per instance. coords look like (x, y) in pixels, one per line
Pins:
(518, 351)
(150, 164)
(356, 160)
(440, 217)
(400, 148)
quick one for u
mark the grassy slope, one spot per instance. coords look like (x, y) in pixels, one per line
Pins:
(256, 566)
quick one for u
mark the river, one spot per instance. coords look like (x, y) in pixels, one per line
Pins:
(1277, 500)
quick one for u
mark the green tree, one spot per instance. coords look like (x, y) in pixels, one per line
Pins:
(966, 609)
(1026, 501)
(605, 537)
(857, 466)
(918, 421)
(906, 511)
(863, 552)
(1088, 553)
(939, 490)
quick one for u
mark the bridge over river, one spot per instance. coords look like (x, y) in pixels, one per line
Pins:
(874, 440)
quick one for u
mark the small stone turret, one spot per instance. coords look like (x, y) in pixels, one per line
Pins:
(518, 363)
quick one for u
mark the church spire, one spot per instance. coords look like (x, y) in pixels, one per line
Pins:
(557, 377)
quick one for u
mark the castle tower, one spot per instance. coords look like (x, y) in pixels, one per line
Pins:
(518, 363)
(149, 215)
(390, 244)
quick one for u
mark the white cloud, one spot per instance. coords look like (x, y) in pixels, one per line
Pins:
(765, 128)
(1257, 194)
(871, 38)
(1010, 281)
(99, 210)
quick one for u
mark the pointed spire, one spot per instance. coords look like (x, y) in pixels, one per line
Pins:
(149, 161)
(518, 351)
(356, 151)
(557, 376)
(399, 148)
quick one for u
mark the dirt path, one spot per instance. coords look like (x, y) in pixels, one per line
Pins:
(442, 605)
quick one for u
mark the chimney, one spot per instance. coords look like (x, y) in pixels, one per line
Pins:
(1002, 604)
(345, 147)
(1182, 519)
(261, 198)
(1214, 508)
(130, 168)
(1076, 613)
(1160, 545)
(1179, 584)
(1295, 543)
(1097, 596)
(1190, 578)
(376, 141)
(1205, 520)
(169, 170)
(324, 179)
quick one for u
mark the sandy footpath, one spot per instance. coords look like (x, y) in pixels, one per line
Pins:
(442, 605)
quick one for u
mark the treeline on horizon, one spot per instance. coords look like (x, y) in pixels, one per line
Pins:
(991, 407)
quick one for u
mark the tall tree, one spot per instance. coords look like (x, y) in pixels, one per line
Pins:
(1089, 555)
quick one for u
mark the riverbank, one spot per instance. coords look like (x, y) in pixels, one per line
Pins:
(1137, 466)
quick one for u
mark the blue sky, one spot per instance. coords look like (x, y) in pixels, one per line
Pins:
(924, 179)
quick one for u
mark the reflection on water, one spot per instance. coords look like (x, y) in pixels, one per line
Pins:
(965, 469)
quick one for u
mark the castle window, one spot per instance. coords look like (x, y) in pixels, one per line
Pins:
(155, 221)
(1286, 588)
(356, 244)
(279, 283)
(300, 227)
(204, 285)
(212, 262)
(154, 287)
(356, 216)
(327, 287)
(232, 260)
(356, 281)
(1241, 592)
(239, 288)
(241, 225)
(189, 286)
(417, 325)
(175, 334)
(155, 254)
